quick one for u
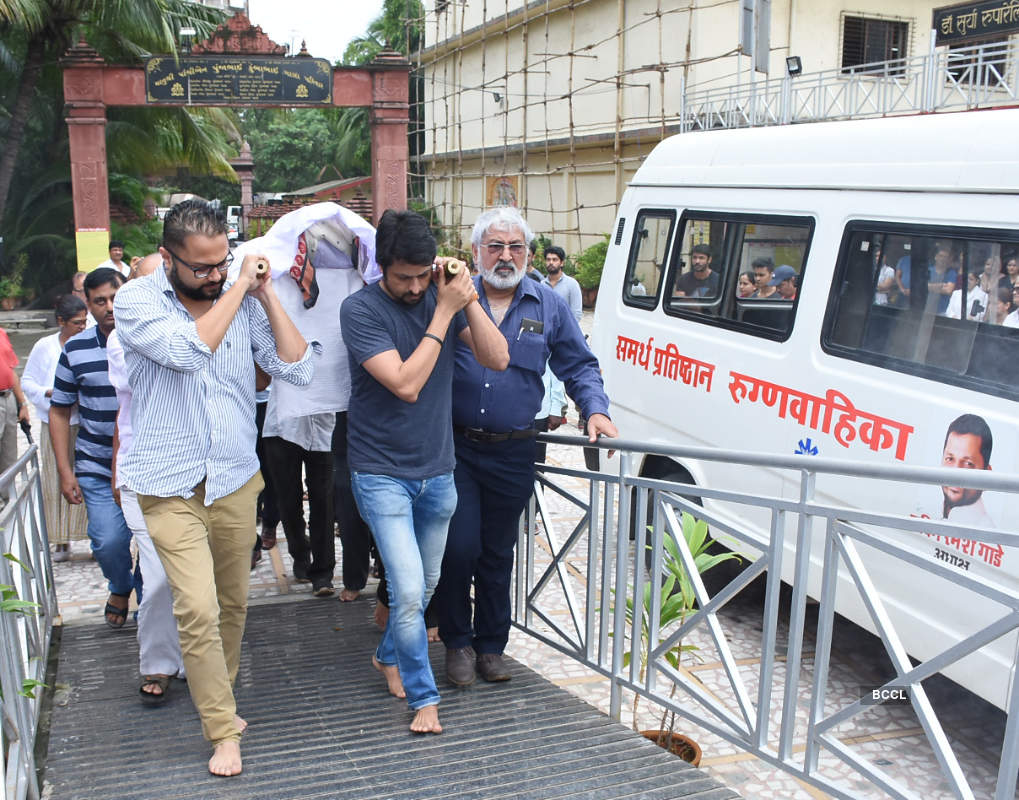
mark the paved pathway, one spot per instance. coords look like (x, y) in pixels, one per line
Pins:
(321, 724)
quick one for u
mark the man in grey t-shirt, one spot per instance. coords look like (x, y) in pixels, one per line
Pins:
(400, 435)
(563, 285)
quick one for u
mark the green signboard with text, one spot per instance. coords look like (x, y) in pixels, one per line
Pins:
(971, 21)
(239, 80)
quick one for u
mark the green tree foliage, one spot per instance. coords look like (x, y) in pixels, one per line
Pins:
(298, 148)
(295, 148)
(37, 32)
(36, 215)
(399, 27)
(589, 264)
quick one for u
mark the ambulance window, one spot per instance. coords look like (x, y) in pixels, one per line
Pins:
(648, 257)
(739, 271)
(926, 301)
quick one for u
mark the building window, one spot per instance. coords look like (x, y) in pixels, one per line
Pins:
(985, 64)
(648, 257)
(738, 271)
(872, 46)
(930, 301)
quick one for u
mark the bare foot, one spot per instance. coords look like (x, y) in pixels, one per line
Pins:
(392, 675)
(349, 595)
(226, 759)
(433, 634)
(426, 721)
(241, 724)
(381, 615)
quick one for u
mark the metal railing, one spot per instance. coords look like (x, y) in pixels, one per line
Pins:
(567, 583)
(26, 576)
(961, 78)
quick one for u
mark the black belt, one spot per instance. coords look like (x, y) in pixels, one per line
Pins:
(5, 392)
(481, 435)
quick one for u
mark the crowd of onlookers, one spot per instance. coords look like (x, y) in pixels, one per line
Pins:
(991, 294)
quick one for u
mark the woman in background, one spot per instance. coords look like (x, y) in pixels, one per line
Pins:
(64, 522)
(745, 285)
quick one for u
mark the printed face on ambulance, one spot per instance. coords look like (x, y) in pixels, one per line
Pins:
(967, 446)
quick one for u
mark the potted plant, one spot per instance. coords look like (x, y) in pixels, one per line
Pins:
(10, 292)
(588, 266)
(10, 284)
(678, 601)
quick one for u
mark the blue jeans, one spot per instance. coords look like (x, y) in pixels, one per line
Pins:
(110, 537)
(409, 520)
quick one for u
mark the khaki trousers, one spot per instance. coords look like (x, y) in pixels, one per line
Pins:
(206, 551)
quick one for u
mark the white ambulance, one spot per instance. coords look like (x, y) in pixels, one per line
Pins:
(844, 289)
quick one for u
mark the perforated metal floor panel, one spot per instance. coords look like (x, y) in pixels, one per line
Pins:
(323, 726)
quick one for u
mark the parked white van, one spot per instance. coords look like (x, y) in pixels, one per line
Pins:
(843, 289)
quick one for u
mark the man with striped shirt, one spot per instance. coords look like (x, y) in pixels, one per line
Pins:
(191, 341)
(82, 377)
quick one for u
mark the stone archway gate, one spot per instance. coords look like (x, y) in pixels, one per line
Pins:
(247, 58)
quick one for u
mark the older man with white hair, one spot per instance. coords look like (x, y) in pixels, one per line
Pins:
(492, 431)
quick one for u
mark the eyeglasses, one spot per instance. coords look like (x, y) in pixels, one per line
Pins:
(496, 248)
(203, 270)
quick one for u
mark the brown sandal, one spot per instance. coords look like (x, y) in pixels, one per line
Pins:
(150, 698)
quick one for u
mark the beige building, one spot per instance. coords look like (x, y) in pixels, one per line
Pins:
(552, 104)
(230, 6)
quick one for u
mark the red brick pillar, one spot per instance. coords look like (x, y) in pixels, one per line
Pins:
(244, 166)
(389, 120)
(86, 125)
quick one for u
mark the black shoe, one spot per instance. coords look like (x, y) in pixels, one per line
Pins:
(256, 556)
(301, 573)
(492, 668)
(322, 589)
(460, 665)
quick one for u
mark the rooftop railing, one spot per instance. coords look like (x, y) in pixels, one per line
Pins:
(977, 76)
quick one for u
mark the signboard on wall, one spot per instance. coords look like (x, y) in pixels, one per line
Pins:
(239, 80)
(966, 22)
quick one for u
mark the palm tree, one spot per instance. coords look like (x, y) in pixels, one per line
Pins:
(42, 30)
(399, 27)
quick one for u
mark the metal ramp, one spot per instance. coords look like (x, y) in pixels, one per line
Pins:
(321, 725)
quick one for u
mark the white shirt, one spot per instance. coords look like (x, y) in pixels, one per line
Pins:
(329, 391)
(118, 377)
(37, 379)
(975, 515)
(1012, 320)
(124, 268)
(313, 432)
(886, 272)
(976, 294)
(554, 401)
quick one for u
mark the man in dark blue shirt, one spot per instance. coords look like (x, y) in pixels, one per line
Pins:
(494, 440)
(399, 444)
